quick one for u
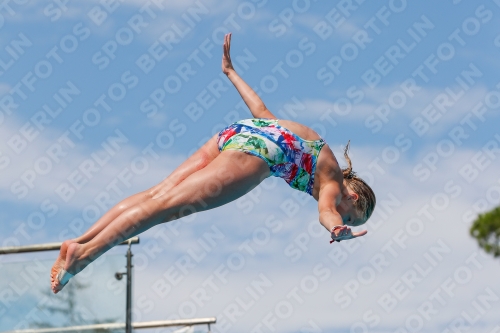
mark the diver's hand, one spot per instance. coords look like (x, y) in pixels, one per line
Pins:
(227, 65)
(343, 232)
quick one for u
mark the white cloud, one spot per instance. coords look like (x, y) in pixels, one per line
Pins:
(318, 303)
(309, 290)
(382, 109)
(294, 283)
(48, 177)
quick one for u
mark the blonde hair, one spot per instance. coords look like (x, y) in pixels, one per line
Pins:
(365, 204)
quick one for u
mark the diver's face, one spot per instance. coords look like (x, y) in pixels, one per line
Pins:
(347, 209)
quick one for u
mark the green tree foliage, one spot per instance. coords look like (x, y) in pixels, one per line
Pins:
(486, 230)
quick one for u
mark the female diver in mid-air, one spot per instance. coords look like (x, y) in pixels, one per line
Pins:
(225, 168)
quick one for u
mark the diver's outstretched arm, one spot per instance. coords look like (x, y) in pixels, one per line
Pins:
(329, 216)
(249, 96)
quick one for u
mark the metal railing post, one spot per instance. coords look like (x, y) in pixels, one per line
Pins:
(128, 322)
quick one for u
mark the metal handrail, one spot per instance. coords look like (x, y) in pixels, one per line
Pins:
(111, 326)
(47, 247)
(175, 322)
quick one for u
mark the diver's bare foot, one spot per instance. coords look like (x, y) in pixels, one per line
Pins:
(74, 263)
(59, 264)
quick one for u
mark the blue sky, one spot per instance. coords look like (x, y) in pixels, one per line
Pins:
(99, 101)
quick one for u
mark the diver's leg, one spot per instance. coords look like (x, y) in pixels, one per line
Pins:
(201, 158)
(228, 177)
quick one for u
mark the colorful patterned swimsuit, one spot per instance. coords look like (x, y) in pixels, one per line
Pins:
(288, 156)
